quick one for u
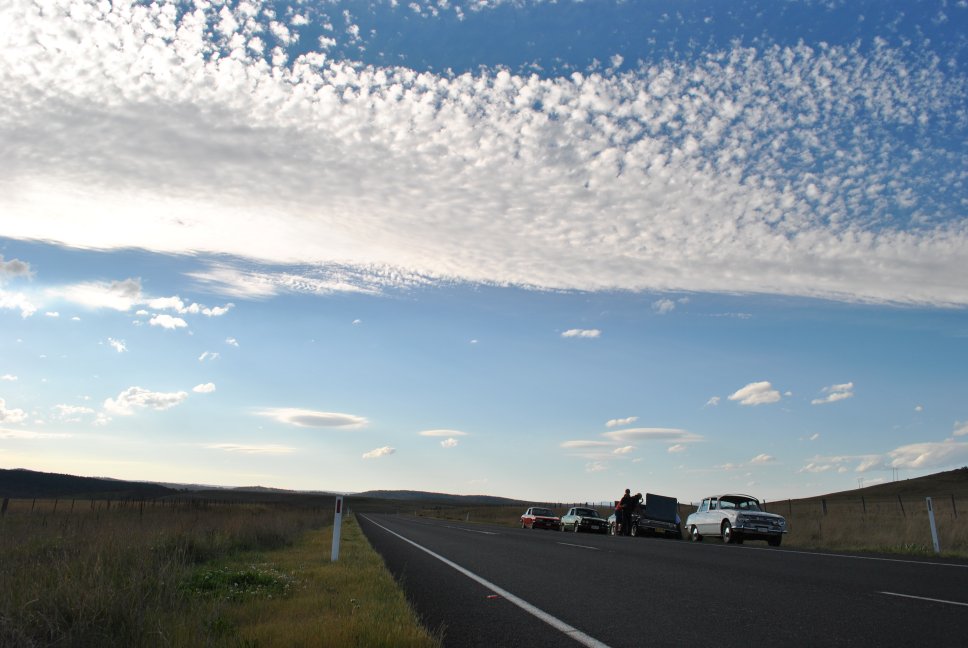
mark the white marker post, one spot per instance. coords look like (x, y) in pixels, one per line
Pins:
(934, 529)
(337, 523)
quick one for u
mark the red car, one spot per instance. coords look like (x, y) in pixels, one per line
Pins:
(538, 517)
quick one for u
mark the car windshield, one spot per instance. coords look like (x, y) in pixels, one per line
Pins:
(741, 503)
(540, 511)
(587, 512)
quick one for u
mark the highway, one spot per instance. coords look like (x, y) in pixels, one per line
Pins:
(486, 585)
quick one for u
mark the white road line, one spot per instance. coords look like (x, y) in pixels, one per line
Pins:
(447, 526)
(568, 544)
(554, 622)
(924, 598)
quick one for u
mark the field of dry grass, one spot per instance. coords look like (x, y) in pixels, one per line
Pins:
(193, 573)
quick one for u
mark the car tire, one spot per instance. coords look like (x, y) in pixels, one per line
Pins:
(775, 541)
(730, 536)
(694, 534)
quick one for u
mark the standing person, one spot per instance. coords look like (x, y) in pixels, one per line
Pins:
(627, 504)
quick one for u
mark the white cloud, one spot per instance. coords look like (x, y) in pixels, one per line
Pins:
(935, 456)
(114, 295)
(166, 321)
(17, 301)
(652, 434)
(72, 413)
(134, 398)
(442, 433)
(762, 459)
(12, 415)
(835, 393)
(676, 448)
(269, 449)
(117, 345)
(581, 333)
(208, 355)
(621, 421)
(204, 388)
(712, 402)
(737, 165)
(757, 393)
(30, 435)
(8, 378)
(663, 306)
(232, 342)
(960, 428)
(52, 314)
(623, 450)
(312, 418)
(448, 443)
(596, 466)
(918, 408)
(581, 444)
(379, 452)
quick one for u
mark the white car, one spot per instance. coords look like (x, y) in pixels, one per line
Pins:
(735, 518)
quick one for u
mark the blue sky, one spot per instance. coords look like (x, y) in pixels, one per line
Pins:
(544, 250)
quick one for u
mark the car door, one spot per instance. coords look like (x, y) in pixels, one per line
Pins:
(706, 517)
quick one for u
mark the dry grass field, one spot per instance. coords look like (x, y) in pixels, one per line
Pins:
(193, 573)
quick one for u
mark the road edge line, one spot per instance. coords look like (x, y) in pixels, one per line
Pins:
(553, 621)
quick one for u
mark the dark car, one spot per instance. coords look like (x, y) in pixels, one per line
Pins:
(584, 519)
(657, 515)
(539, 517)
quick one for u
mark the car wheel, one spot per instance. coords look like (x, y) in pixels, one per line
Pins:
(694, 534)
(775, 540)
(729, 536)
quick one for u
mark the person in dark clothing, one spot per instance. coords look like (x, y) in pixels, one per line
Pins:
(627, 504)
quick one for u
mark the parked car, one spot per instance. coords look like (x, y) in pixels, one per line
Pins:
(657, 514)
(539, 517)
(735, 518)
(584, 519)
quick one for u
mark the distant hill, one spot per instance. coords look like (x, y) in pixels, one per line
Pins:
(950, 482)
(26, 484)
(441, 498)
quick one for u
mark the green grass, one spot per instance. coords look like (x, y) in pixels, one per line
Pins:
(194, 575)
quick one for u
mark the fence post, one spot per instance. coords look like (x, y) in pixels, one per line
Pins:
(934, 529)
(823, 505)
(901, 504)
(864, 504)
(337, 523)
(3, 507)
(953, 507)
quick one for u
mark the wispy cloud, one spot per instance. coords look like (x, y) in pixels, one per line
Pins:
(835, 393)
(117, 345)
(762, 459)
(269, 449)
(442, 433)
(9, 378)
(13, 268)
(313, 418)
(757, 393)
(449, 443)
(135, 398)
(204, 388)
(376, 453)
(621, 421)
(11, 415)
(581, 333)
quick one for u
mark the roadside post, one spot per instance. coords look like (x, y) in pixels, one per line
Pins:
(337, 523)
(934, 528)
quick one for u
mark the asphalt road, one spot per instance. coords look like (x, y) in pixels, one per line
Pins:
(492, 586)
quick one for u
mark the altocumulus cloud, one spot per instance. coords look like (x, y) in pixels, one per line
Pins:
(586, 181)
(313, 418)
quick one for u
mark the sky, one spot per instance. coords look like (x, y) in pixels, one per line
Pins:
(532, 249)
